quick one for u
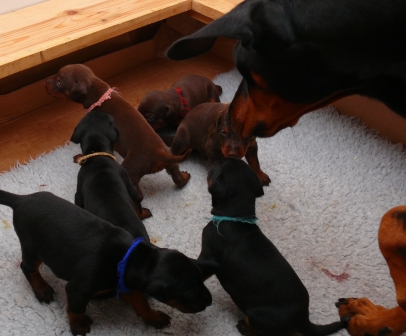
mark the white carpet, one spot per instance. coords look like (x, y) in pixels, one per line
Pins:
(332, 180)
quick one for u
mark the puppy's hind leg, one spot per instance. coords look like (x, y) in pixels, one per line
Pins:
(43, 292)
(180, 142)
(180, 178)
(133, 192)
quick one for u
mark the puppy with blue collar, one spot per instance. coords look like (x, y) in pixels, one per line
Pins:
(249, 267)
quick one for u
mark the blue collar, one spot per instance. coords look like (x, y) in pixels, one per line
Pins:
(121, 287)
(218, 219)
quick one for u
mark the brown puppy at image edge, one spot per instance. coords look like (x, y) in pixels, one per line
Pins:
(142, 149)
(362, 316)
(205, 129)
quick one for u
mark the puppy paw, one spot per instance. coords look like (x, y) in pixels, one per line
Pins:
(264, 178)
(184, 180)
(144, 213)
(244, 328)
(364, 318)
(44, 292)
(79, 324)
(157, 319)
(77, 157)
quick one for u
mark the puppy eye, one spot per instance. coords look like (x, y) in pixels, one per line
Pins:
(58, 84)
(220, 177)
(76, 81)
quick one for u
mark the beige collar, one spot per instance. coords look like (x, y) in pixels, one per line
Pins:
(83, 159)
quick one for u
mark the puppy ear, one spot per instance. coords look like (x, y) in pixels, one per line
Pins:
(170, 112)
(78, 91)
(218, 121)
(157, 289)
(255, 183)
(259, 190)
(235, 24)
(208, 268)
(77, 135)
(113, 134)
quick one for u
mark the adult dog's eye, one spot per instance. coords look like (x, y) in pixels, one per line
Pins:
(58, 84)
(224, 132)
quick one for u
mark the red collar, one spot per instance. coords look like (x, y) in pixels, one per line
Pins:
(184, 105)
(106, 95)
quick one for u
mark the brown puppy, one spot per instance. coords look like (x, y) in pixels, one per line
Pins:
(205, 128)
(142, 149)
(168, 107)
(363, 317)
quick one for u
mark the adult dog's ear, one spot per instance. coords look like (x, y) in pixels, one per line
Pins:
(235, 24)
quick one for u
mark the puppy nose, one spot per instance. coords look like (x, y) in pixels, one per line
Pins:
(233, 154)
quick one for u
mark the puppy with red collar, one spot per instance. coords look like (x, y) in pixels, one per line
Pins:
(168, 107)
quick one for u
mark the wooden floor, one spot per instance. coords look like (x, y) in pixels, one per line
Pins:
(51, 126)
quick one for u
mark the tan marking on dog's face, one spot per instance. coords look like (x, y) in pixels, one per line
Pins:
(257, 111)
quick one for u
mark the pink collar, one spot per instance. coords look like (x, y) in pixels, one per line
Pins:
(107, 95)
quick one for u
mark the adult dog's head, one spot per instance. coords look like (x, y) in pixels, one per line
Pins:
(296, 57)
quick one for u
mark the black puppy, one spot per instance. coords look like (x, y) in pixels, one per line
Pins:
(250, 268)
(86, 251)
(297, 56)
(104, 187)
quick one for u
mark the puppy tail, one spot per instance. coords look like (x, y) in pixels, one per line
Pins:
(9, 199)
(323, 330)
(170, 158)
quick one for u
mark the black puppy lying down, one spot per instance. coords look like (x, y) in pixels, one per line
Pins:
(104, 187)
(250, 268)
(85, 251)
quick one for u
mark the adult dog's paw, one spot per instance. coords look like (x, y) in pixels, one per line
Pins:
(363, 318)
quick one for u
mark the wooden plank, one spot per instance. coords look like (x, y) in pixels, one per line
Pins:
(37, 34)
(33, 96)
(214, 8)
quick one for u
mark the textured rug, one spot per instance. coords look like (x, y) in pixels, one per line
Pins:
(332, 180)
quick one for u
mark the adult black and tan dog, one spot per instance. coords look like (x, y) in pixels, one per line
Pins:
(296, 56)
(86, 251)
(250, 268)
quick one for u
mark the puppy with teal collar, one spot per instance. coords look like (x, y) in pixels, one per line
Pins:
(249, 267)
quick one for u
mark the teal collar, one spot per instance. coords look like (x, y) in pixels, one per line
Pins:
(218, 219)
